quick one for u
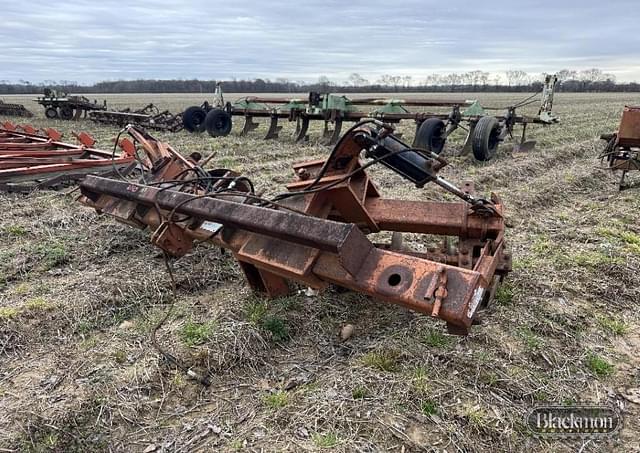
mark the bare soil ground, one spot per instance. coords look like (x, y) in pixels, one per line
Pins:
(80, 293)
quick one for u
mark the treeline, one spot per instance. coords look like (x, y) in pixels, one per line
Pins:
(590, 80)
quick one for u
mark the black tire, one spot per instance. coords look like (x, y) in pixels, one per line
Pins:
(51, 113)
(193, 119)
(431, 135)
(66, 112)
(218, 123)
(486, 138)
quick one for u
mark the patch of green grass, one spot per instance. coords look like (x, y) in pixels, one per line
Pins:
(437, 339)
(504, 294)
(84, 327)
(287, 302)
(523, 263)
(278, 328)
(255, 312)
(475, 415)
(383, 360)
(599, 366)
(429, 407)
(327, 440)
(276, 400)
(119, 356)
(529, 338)
(7, 313)
(612, 325)
(591, 259)
(89, 342)
(420, 379)
(227, 162)
(629, 238)
(38, 304)
(542, 245)
(21, 289)
(360, 392)
(194, 334)
(53, 254)
(488, 377)
(15, 230)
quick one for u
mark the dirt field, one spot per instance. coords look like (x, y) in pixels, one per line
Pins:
(80, 293)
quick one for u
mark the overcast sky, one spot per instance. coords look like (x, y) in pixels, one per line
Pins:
(93, 40)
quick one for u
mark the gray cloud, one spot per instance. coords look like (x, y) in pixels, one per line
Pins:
(87, 41)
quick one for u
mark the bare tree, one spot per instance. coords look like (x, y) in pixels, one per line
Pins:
(566, 74)
(516, 77)
(324, 83)
(356, 80)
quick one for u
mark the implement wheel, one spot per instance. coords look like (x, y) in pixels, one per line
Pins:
(431, 135)
(193, 119)
(486, 138)
(218, 123)
(66, 112)
(51, 113)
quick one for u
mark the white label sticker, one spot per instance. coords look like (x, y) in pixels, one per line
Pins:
(477, 297)
(211, 226)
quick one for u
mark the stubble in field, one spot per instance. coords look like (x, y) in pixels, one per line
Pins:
(79, 295)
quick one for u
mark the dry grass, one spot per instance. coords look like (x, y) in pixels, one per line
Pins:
(79, 295)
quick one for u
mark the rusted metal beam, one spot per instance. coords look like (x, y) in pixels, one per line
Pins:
(344, 239)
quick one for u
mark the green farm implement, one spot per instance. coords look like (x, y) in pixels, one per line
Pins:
(484, 131)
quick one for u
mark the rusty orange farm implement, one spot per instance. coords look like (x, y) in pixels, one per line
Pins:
(35, 159)
(316, 232)
(622, 152)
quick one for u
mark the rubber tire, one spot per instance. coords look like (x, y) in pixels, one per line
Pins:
(485, 140)
(218, 123)
(51, 113)
(193, 119)
(66, 113)
(430, 135)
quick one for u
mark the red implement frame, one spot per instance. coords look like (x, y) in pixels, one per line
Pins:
(26, 155)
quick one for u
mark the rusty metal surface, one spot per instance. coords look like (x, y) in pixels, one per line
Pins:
(324, 241)
(629, 130)
(622, 151)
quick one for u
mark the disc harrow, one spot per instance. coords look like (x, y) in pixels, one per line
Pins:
(149, 117)
(14, 110)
